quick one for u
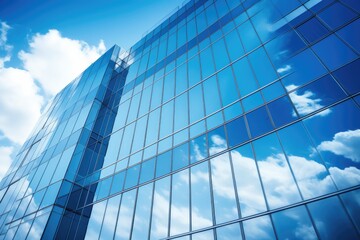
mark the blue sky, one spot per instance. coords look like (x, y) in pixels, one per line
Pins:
(39, 39)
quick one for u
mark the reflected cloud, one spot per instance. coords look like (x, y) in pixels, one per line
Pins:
(347, 177)
(305, 232)
(306, 103)
(346, 144)
(284, 69)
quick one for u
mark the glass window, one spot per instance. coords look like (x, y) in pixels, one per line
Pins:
(156, 93)
(335, 133)
(273, 91)
(140, 228)
(152, 132)
(312, 30)
(305, 161)
(167, 113)
(208, 235)
(303, 67)
(169, 86)
(132, 176)
(253, 101)
(336, 15)
(108, 227)
(348, 76)
(339, 55)
(293, 223)
(347, 33)
(196, 103)
(217, 140)
(160, 209)
(125, 145)
(227, 86)
(118, 182)
(247, 181)
(259, 228)
(220, 52)
(316, 95)
(237, 132)
(260, 115)
(282, 111)
(181, 112)
(228, 232)
(328, 214)
(180, 156)
(163, 164)
(180, 206)
(279, 185)
(95, 222)
(234, 45)
(181, 78)
(223, 189)
(194, 70)
(198, 148)
(211, 95)
(201, 213)
(207, 64)
(248, 36)
(147, 170)
(245, 77)
(351, 201)
(233, 111)
(126, 212)
(139, 135)
(262, 66)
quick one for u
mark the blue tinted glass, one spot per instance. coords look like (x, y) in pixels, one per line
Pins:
(220, 52)
(132, 176)
(180, 156)
(289, 223)
(197, 128)
(282, 111)
(214, 120)
(259, 116)
(211, 95)
(118, 182)
(231, 231)
(263, 69)
(273, 91)
(147, 170)
(312, 30)
(351, 34)
(248, 36)
(328, 215)
(198, 148)
(245, 77)
(253, 101)
(232, 111)
(339, 55)
(227, 86)
(234, 45)
(163, 164)
(217, 140)
(352, 203)
(237, 132)
(348, 76)
(336, 15)
(316, 95)
(303, 67)
(207, 65)
(259, 228)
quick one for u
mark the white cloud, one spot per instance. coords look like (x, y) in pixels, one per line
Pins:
(306, 103)
(347, 177)
(20, 104)
(284, 69)
(4, 28)
(344, 143)
(5, 159)
(54, 60)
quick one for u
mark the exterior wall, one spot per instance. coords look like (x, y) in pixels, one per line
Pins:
(231, 120)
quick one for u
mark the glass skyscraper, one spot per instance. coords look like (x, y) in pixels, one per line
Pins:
(232, 119)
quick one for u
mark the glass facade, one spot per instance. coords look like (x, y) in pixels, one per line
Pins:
(233, 119)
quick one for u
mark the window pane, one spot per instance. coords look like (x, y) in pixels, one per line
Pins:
(328, 215)
(247, 181)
